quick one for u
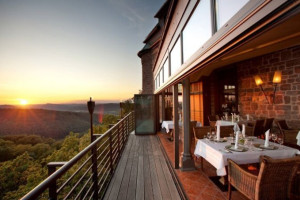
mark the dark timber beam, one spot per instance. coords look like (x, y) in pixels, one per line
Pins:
(176, 125)
(163, 114)
(186, 158)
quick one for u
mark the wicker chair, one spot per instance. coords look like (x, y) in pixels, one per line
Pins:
(257, 129)
(192, 126)
(268, 124)
(199, 132)
(213, 117)
(274, 180)
(181, 131)
(212, 121)
(225, 131)
(289, 134)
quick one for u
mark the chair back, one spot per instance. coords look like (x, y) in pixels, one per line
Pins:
(258, 129)
(192, 126)
(213, 117)
(225, 131)
(199, 132)
(268, 124)
(282, 125)
(275, 177)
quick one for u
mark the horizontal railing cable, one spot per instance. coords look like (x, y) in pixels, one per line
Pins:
(111, 145)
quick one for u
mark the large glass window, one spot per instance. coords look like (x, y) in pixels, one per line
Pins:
(166, 70)
(161, 79)
(196, 102)
(225, 9)
(175, 56)
(198, 30)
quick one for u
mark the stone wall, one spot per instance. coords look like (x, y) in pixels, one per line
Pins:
(148, 59)
(287, 100)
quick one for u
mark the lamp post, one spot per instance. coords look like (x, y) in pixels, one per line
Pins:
(91, 107)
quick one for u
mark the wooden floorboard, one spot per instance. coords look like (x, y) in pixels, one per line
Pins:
(142, 172)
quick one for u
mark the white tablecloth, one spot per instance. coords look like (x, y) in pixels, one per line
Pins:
(210, 151)
(228, 123)
(170, 125)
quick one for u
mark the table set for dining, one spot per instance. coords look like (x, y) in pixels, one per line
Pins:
(169, 125)
(217, 152)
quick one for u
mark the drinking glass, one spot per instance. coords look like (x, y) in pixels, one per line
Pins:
(213, 135)
(274, 137)
(208, 135)
(280, 140)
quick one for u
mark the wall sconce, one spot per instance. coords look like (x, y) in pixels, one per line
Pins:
(276, 80)
(259, 83)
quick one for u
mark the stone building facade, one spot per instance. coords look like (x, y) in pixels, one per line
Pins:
(287, 100)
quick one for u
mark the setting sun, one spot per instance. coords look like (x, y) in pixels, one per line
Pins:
(23, 102)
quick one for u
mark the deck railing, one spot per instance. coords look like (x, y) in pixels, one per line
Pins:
(86, 175)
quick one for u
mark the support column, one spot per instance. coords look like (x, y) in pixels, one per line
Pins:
(163, 114)
(186, 158)
(176, 125)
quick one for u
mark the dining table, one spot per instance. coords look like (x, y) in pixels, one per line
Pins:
(228, 123)
(169, 125)
(217, 154)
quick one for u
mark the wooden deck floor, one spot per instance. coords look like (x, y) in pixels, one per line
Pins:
(142, 172)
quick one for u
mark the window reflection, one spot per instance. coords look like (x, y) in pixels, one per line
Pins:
(198, 30)
(161, 79)
(166, 70)
(175, 57)
(226, 9)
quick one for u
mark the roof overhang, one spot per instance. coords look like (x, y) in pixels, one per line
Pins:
(277, 31)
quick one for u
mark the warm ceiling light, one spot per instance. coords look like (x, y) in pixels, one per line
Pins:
(258, 80)
(277, 77)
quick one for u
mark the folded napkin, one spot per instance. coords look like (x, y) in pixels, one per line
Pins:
(298, 138)
(218, 132)
(244, 130)
(267, 138)
(236, 139)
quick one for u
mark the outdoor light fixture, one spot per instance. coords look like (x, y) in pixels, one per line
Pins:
(276, 80)
(259, 83)
(91, 107)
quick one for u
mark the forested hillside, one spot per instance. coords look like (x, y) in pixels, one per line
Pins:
(47, 123)
(24, 157)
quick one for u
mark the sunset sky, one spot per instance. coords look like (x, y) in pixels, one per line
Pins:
(54, 51)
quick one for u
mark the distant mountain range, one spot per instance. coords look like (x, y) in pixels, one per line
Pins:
(51, 120)
(106, 108)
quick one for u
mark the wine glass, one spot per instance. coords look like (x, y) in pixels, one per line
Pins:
(280, 140)
(274, 137)
(208, 135)
(231, 137)
(213, 135)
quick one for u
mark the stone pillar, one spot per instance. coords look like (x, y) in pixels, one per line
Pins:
(186, 158)
(176, 125)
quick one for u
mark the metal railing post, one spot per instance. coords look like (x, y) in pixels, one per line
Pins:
(94, 171)
(119, 139)
(53, 186)
(125, 132)
(110, 153)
